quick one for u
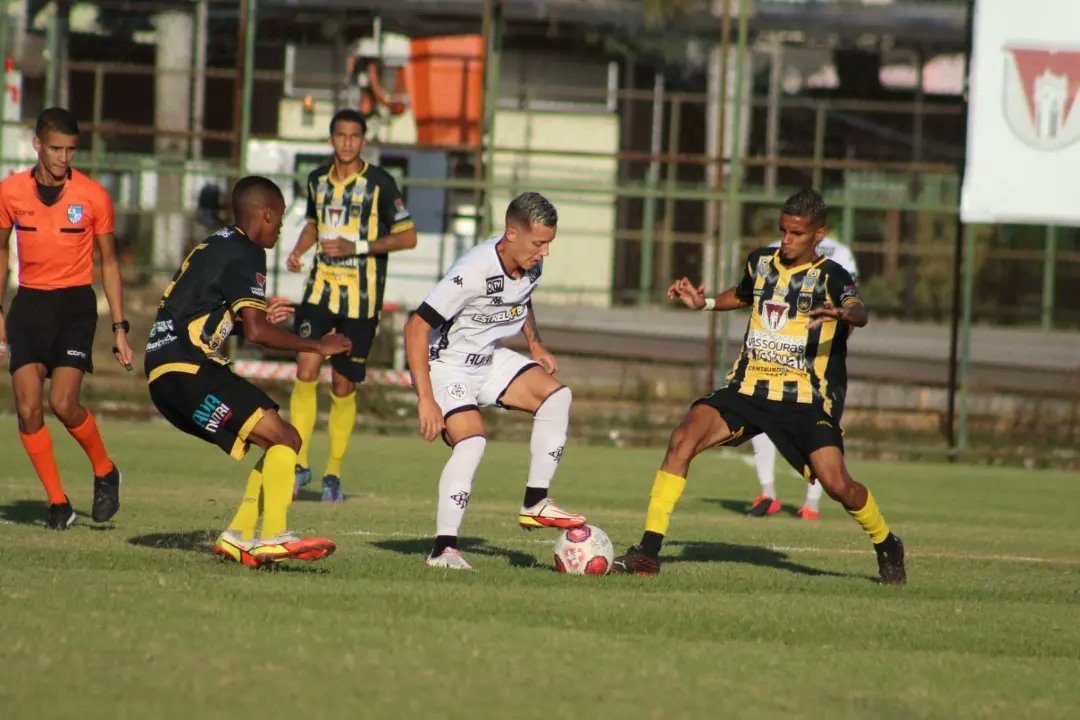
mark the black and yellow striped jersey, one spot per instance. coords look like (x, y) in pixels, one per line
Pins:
(365, 206)
(781, 359)
(220, 276)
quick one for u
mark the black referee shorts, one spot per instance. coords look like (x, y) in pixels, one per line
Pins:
(214, 405)
(314, 321)
(52, 327)
(797, 429)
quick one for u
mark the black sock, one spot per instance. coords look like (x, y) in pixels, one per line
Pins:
(651, 542)
(889, 544)
(442, 542)
(533, 495)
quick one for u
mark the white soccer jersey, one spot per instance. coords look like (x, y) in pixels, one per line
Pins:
(838, 252)
(480, 304)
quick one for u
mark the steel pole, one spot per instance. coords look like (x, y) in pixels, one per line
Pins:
(652, 179)
(719, 262)
(250, 23)
(732, 207)
(958, 262)
(479, 176)
(198, 89)
(965, 336)
(1049, 272)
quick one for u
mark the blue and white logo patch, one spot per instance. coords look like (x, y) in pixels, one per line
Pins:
(74, 214)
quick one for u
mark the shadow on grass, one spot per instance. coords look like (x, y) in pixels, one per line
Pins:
(310, 495)
(34, 512)
(25, 512)
(201, 541)
(739, 507)
(750, 555)
(470, 545)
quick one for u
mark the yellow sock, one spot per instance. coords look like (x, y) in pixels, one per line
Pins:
(871, 519)
(341, 423)
(303, 409)
(277, 485)
(248, 515)
(666, 491)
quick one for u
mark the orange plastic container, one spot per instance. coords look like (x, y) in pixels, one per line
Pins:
(445, 82)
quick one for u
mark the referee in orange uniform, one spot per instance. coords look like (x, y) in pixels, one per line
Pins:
(58, 214)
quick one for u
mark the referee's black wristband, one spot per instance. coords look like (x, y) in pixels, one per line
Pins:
(122, 325)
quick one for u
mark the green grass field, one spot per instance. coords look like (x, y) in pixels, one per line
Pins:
(750, 618)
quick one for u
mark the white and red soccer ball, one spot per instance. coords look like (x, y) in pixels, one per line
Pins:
(584, 550)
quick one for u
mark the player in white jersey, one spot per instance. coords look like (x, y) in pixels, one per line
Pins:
(766, 503)
(452, 342)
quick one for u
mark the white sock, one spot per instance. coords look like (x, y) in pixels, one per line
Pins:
(813, 496)
(765, 462)
(455, 484)
(548, 437)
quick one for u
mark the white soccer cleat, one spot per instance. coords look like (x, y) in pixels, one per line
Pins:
(451, 559)
(547, 513)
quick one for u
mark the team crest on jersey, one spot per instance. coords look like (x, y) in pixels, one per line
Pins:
(805, 302)
(75, 214)
(763, 266)
(495, 284)
(335, 215)
(305, 329)
(457, 391)
(774, 315)
(810, 280)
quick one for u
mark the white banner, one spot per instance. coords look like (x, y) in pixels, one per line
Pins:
(1023, 145)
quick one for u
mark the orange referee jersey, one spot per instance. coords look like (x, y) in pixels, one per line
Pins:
(55, 242)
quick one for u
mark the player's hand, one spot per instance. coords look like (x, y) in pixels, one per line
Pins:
(431, 419)
(121, 350)
(692, 296)
(279, 309)
(3, 337)
(334, 344)
(824, 313)
(337, 247)
(547, 361)
(292, 263)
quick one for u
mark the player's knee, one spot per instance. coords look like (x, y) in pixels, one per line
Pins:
(556, 405)
(31, 417)
(681, 444)
(64, 408)
(837, 485)
(289, 437)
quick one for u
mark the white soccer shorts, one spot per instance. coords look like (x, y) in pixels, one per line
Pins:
(469, 387)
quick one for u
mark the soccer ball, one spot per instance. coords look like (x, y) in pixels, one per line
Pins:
(584, 550)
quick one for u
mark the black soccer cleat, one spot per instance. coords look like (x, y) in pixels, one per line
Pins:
(106, 495)
(61, 516)
(890, 561)
(635, 562)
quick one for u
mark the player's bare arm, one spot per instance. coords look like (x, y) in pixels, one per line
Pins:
(258, 329)
(536, 346)
(854, 314)
(693, 296)
(114, 294)
(5, 239)
(307, 238)
(417, 331)
(340, 247)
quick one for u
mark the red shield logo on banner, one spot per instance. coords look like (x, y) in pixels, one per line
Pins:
(1040, 95)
